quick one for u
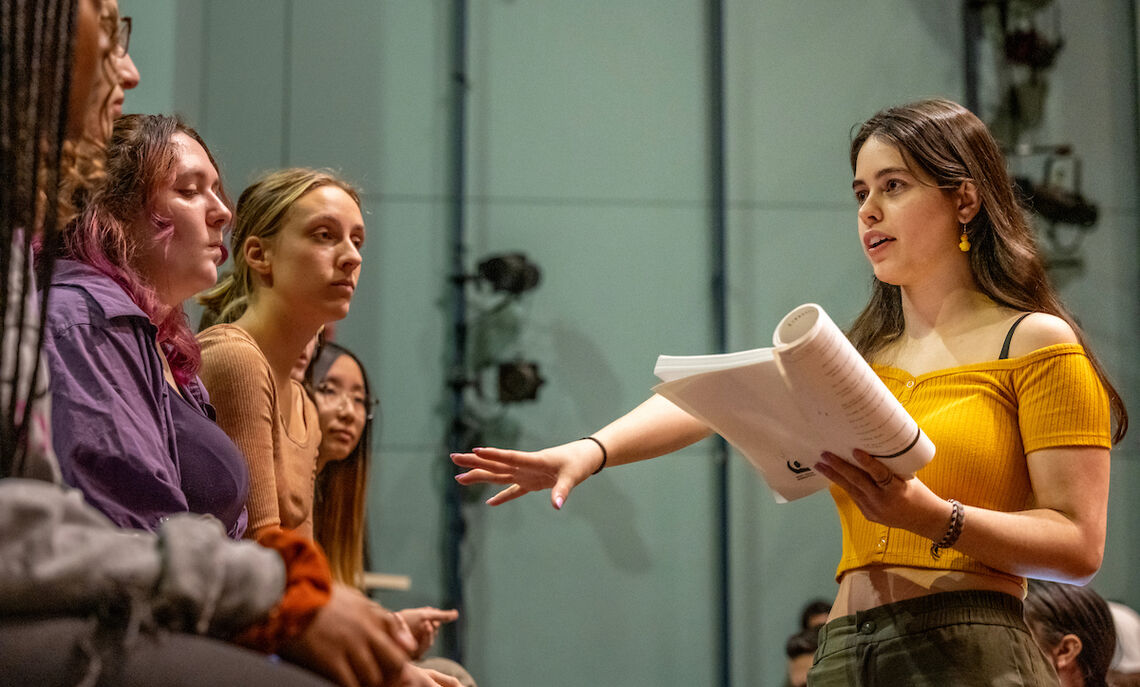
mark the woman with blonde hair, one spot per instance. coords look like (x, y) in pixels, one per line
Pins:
(296, 259)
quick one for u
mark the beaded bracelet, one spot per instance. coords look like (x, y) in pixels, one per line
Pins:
(605, 455)
(953, 530)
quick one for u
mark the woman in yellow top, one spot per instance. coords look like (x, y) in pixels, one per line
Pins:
(296, 259)
(965, 329)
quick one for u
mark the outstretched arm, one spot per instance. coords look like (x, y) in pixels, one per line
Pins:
(652, 429)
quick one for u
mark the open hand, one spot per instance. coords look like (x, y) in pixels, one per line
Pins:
(559, 469)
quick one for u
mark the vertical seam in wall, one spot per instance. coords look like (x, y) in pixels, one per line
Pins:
(718, 226)
(1134, 32)
(286, 83)
(203, 75)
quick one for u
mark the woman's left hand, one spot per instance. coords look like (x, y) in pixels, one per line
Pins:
(884, 497)
(1059, 537)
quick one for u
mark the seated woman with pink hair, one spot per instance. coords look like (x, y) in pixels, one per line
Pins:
(132, 422)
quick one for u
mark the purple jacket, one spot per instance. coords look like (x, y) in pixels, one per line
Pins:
(137, 449)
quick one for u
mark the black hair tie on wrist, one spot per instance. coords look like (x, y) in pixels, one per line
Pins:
(605, 455)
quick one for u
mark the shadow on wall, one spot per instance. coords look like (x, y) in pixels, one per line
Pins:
(591, 385)
(595, 390)
(611, 515)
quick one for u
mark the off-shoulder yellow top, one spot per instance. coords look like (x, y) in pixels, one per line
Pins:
(984, 419)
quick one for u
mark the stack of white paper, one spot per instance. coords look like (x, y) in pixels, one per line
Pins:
(783, 406)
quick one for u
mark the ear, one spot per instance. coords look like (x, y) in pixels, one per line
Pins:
(969, 203)
(1067, 651)
(257, 256)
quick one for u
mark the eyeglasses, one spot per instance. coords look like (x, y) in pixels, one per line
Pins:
(335, 397)
(123, 36)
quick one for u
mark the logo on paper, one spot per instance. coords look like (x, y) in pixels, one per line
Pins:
(797, 468)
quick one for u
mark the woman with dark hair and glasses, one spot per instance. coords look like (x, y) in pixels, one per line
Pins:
(340, 387)
(347, 410)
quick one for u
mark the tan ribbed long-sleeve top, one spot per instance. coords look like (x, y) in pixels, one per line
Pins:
(983, 419)
(280, 439)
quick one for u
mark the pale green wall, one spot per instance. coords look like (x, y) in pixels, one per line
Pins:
(587, 150)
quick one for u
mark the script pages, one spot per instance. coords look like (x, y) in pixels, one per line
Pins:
(781, 407)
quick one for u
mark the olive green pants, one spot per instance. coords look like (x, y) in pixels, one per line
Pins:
(953, 639)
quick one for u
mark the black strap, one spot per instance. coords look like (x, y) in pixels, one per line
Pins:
(1009, 337)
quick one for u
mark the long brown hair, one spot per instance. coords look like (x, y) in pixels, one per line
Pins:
(951, 145)
(342, 486)
(84, 153)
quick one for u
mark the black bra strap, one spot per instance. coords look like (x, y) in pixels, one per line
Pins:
(1009, 337)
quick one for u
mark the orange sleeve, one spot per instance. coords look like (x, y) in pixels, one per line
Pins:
(308, 587)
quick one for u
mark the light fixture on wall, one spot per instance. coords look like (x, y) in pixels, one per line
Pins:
(1058, 205)
(519, 380)
(1065, 215)
(1028, 42)
(512, 273)
(494, 326)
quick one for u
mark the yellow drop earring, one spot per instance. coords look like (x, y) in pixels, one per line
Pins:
(964, 243)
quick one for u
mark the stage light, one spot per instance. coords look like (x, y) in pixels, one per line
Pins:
(510, 272)
(519, 381)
